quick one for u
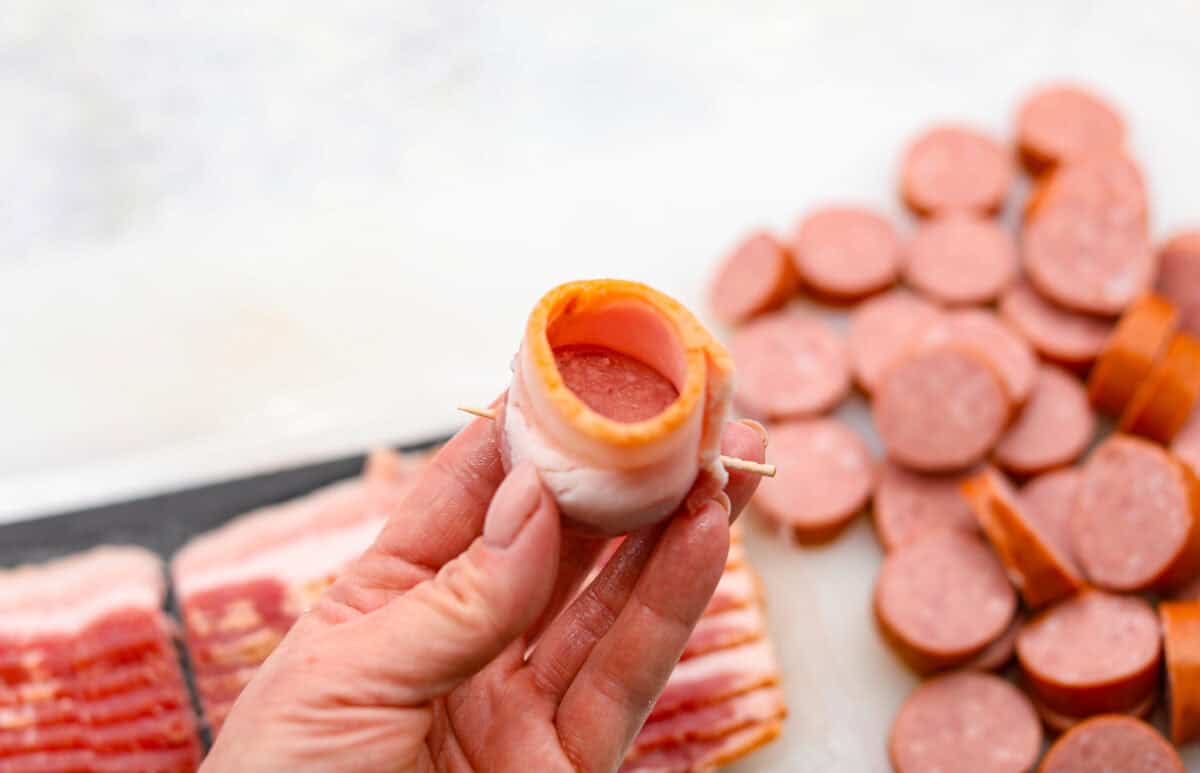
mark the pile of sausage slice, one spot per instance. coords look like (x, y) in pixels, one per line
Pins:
(1036, 392)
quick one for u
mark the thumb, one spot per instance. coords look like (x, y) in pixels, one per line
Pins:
(424, 643)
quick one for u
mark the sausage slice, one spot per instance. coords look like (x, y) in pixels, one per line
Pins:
(1065, 122)
(983, 331)
(882, 330)
(846, 253)
(1139, 337)
(1053, 429)
(1181, 644)
(1049, 502)
(955, 169)
(1179, 277)
(1162, 403)
(755, 277)
(1059, 335)
(790, 365)
(1112, 743)
(960, 259)
(908, 505)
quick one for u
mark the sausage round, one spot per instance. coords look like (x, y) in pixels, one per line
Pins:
(1092, 653)
(1163, 402)
(1112, 743)
(1000, 652)
(790, 365)
(941, 600)
(1060, 723)
(1065, 122)
(1179, 277)
(1049, 502)
(824, 478)
(959, 259)
(846, 253)
(1181, 647)
(940, 410)
(908, 505)
(1063, 336)
(755, 277)
(1186, 445)
(1053, 428)
(955, 169)
(1141, 334)
(881, 332)
(965, 721)
(983, 331)
(1135, 522)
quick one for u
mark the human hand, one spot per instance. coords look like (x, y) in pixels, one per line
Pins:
(443, 646)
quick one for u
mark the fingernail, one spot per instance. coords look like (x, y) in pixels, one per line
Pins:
(760, 429)
(516, 500)
(722, 500)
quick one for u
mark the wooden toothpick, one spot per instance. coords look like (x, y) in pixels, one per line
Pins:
(730, 462)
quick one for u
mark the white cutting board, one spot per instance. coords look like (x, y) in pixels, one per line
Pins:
(238, 236)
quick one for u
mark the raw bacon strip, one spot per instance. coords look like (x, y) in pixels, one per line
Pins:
(1179, 277)
(705, 755)
(984, 333)
(1135, 522)
(1053, 429)
(1136, 342)
(712, 721)
(1091, 654)
(959, 260)
(824, 478)
(1181, 646)
(1112, 743)
(940, 601)
(882, 330)
(1164, 401)
(1065, 122)
(718, 675)
(940, 410)
(242, 586)
(1049, 502)
(965, 721)
(738, 587)
(790, 365)
(1059, 335)
(608, 475)
(757, 276)
(1034, 564)
(725, 629)
(909, 505)
(955, 169)
(846, 253)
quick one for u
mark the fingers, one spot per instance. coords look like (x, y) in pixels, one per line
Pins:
(745, 440)
(578, 556)
(608, 700)
(425, 642)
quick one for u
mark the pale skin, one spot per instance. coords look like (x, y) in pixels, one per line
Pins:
(450, 644)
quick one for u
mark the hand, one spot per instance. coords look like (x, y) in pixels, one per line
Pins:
(418, 657)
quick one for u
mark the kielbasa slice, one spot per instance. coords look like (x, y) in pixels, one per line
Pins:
(965, 721)
(1112, 743)
(1049, 502)
(1058, 723)
(955, 169)
(1179, 277)
(755, 277)
(1053, 429)
(908, 505)
(1181, 646)
(941, 410)
(846, 253)
(1064, 122)
(1139, 337)
(1135, 522)
(824, 478)
(960, 259)
(1092, 653)
(982, 330)
(1059, 335)
(882, 330)
(1163, 402)
(1186, 445)
(942, 600)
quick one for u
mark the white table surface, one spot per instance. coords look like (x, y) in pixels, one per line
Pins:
(232, 239)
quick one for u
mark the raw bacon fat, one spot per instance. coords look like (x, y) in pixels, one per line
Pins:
(612, 476)
(242, 586)
(88, 675)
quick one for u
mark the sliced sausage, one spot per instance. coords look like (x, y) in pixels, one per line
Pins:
(824, 478)
(965, 721)
(1053, 429)
(941, 410)
(1179, 277)
(1135, 522)
(960, 259)
(1186, 445)
(1181, 646)
(1112, 743)
(881, 332)
(1138, 339)
(1092, 653)
(1049, 502)
(790, 365)
(1063, 336)
(1035, 565)
(955, 169)
(909, 505)
(983, 331)
(1058, 723)
(755, 277)
(1163, 402)
(1110, 185)
(846, 253)
(941, 600)
(1064, 122)
(1000, 652)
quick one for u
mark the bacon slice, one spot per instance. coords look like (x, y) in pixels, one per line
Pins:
(611, 476)
(242, 586)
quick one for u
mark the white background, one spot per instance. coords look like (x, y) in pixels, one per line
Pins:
(236, 239)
